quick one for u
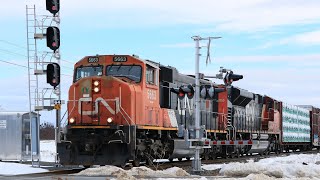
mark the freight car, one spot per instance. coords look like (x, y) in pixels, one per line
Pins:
(122, 108)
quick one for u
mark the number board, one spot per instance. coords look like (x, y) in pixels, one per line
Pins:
(3, 124)
(119, 59)
(93, 59)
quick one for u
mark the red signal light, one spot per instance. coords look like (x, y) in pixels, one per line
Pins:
(53, 38)
(53, 6)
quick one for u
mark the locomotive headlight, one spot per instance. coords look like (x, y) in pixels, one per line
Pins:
(71, 120)
(109, 120)
(96, 89)
(96, 83)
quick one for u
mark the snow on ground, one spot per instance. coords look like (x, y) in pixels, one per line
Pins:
(142, 172)
(292, 166)
(47, 150)
(47, 153)
(8, 168)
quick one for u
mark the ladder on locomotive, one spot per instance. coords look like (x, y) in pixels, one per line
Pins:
(230, 128)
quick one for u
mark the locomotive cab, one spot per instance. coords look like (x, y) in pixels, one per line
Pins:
(109, 97)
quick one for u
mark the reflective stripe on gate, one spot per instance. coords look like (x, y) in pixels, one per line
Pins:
(246, 142)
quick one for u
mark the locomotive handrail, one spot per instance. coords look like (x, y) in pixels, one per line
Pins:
(74, 100)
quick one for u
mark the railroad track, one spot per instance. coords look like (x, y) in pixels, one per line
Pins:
(49, 173)
(184, 164)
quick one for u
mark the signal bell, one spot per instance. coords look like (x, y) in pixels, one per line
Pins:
(53, 6)
(183, 90)
(230, 77)
(208, 92)
(53, 74)
(53, 38)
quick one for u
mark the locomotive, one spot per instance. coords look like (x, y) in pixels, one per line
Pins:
(122, 109)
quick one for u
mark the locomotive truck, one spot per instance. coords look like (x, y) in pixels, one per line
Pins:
(122, 108)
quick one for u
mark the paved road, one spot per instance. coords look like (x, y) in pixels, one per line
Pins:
(53, 177)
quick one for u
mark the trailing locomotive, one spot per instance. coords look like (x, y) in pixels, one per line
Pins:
(125, 109)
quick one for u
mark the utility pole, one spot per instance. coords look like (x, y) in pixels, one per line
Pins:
(196, 165)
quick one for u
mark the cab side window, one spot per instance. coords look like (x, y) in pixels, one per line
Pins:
(150, 75)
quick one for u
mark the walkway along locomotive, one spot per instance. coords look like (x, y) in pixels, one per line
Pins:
(122, 108)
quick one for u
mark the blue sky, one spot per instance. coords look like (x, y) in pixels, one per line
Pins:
(274, 44)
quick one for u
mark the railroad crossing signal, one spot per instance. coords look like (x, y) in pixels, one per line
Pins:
(183, 90)
(208, 92)
(230, 77)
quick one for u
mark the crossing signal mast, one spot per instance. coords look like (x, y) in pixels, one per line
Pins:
(44, 63)
(208, 92)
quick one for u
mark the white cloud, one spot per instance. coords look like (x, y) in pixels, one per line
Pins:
(301, 60)
(308, 38)
(311, 38)
(231, 15)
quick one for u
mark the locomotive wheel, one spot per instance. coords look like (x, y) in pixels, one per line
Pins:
(149, 161)
(213, 156)
(188, 158)
(206, 157)
(136, 162)
(180, 159)
(237, 154)
(232, 155)
(171, 159)
(123, 164)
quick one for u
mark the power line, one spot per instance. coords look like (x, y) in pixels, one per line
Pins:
(13, 44)
(22, 47)
(66, 61)
(15, 64)
(11, 52)
(67, 75)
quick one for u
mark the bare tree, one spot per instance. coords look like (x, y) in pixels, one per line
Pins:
(47, 131)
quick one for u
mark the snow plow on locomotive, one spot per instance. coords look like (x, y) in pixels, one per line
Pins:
(122, 108)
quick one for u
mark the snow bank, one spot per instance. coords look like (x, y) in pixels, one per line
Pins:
(7, 168)
(136, 171)
(47, 150)
(211, 167)
(293, 166)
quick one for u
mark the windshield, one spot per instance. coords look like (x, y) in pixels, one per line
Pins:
(86, 71)
(132, 72)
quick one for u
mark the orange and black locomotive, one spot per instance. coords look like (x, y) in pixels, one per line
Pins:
(122, 109)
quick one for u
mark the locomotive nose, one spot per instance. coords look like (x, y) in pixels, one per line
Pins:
(95, 105)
